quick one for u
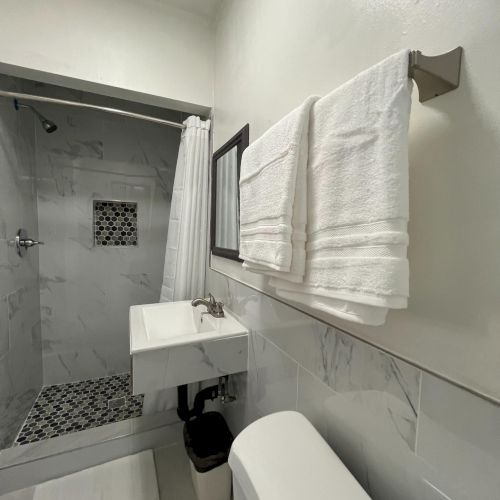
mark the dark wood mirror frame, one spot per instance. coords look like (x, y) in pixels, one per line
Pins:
(240, 140)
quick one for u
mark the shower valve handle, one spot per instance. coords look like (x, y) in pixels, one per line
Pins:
(30, 243)
(22, 242)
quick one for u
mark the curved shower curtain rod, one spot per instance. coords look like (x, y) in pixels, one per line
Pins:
(434, 76)
(52, 100)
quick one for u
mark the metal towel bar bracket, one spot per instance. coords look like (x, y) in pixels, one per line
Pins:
(435, 75)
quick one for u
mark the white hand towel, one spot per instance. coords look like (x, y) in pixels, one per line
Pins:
(356, 265)
(273, 198)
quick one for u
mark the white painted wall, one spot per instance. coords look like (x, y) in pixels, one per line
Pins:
(142, 50)
(271, 54)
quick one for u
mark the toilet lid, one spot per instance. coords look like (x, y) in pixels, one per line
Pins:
(283, 456)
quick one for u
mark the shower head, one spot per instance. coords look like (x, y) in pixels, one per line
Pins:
(48, 125)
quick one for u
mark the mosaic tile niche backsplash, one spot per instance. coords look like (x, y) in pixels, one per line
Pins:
(115, 223)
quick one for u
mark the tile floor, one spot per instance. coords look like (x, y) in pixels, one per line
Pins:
(65, 408)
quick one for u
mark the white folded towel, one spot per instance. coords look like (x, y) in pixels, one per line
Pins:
(356, 265)
(273, 198)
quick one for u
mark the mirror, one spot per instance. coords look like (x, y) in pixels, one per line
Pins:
(225, 223)
(226, 196)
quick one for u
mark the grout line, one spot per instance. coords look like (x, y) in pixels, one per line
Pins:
(299, 365)
(282, 352)
(277, 347)
(417, 429)
(322, 382)
(27, 416)
(297, 391)
(9, 327)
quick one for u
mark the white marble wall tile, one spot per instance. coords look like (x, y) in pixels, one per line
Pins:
(160, 369)
(8, 418)
(240, 302)
(20, 349)
(364, 402)
(272, 377)
(158, 401)
(20, 366)
(381, 385)
(459, 435)
(85, 296)
(16, 189)
(242, 410)
(6, 267)
(86, 291)
(283, 325)
(24, 346)
(366, 441)
(323, 408)
(4, 327)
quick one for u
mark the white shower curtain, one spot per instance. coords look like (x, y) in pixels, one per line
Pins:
(187, 240)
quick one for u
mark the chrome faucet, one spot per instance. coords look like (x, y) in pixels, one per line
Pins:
(213, 307)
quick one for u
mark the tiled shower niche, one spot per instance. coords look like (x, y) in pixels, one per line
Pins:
(115, 223)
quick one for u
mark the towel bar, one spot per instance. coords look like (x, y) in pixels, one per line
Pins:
(435, 75)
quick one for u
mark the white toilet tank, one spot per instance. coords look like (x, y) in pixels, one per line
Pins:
(282, 456)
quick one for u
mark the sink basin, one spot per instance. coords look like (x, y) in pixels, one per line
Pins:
(175, 323)
(173, 343)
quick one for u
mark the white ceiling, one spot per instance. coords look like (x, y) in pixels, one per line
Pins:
(204, 8)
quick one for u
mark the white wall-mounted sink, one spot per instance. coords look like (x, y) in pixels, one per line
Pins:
(173, 343)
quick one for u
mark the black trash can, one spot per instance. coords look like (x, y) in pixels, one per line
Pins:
(208, 441)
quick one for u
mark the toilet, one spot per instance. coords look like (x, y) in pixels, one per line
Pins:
(282, 456)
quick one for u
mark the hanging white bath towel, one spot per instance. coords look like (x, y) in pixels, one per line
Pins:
(356, 265)
(273, 198)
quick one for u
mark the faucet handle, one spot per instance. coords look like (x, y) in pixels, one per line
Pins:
(218, 310)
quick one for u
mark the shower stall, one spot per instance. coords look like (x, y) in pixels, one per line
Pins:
(84, 208)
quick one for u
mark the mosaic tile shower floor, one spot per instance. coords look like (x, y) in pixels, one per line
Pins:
(66, 408)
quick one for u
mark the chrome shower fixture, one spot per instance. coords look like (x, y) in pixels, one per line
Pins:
(48, 125)
(22, 242)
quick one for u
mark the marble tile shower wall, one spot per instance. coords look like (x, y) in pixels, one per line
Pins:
(403, 433)
(86, 290)
(20, 340)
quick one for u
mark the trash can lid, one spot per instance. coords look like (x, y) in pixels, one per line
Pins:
(208, 441)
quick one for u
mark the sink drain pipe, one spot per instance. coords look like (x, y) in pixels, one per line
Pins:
(183, 410)
(212, 392)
